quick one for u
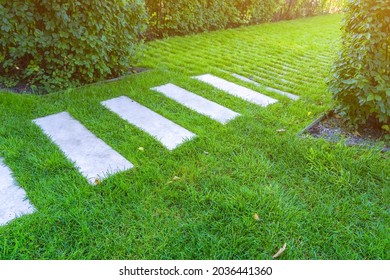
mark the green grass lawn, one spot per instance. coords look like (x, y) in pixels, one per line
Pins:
(326, 201)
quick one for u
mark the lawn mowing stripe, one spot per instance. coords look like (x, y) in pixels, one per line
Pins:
(199, 104)
(167, 132)
(300, 51)
(272, 68)
(268, 68)
(94, 158)
(237, 90)
(289, 95)
(266, 80)
(13, 200)
(290, 58)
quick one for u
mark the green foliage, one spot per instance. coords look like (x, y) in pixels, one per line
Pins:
(255, 11)
(168, 17)
(291, 9)
(361, 75)
(54, 44)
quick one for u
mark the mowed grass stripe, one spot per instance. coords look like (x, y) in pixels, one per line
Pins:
(244, 45)
(245, 79)
(263, 63)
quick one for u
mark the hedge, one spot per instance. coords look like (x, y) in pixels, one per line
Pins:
(172, 17)
(291, 9)
(360, 80)
(55, 44)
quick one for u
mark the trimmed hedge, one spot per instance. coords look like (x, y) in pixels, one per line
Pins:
(55, 44)
(172, 17)
(361, 75)
(291, 9)
(178, 17)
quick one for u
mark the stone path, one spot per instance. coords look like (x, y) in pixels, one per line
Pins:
(167, 132)
(197, 103)
(93, 157)
(13, 201)
(96, 160)
(237, 90)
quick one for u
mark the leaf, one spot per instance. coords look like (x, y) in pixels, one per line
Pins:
(282, 130)
(370, 97)
(256, 217)
(308, 114)
(281, 250)
(386, 127)
(176, 178)
(141, 149)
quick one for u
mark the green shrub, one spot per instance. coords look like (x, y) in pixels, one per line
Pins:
(290, 9)
(54, 44)
(172, 17)
(361, 76)
(255, 11)
(169, 17)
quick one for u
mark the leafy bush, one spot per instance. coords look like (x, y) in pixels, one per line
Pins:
(168, 17)
(291, 9)
(361, 75)
(255, 11)
(54, 44)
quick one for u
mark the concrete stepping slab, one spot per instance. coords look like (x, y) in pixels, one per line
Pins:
(197, 103)
(289, 95)
(167, 132)
(237, 90)
(13, 200)
(91, 155)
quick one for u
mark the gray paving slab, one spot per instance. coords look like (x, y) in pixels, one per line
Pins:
(197, 103)
(237, 90)
(91, 155)
(289, 95)
(167, 132)
(13, 199)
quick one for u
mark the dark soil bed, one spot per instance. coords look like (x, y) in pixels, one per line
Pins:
(334, 128)
(23, 88)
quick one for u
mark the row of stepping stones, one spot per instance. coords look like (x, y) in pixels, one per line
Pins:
(96, 160)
